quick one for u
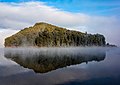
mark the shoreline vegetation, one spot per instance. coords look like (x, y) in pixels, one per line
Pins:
(61, 46)
(47, 35)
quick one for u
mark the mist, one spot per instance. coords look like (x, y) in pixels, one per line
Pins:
(55, 50)
(43, 60)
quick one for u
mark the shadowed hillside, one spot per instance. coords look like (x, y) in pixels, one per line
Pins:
(47, 35)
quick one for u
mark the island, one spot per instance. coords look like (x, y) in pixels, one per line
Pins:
(47, 35)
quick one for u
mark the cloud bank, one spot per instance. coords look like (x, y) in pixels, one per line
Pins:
(16, 16)
(5, 33)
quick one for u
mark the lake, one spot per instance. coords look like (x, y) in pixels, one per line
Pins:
(60, 66)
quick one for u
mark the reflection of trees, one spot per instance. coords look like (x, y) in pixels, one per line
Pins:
(43, 62)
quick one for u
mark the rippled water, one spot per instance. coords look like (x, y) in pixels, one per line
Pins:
(60, 66)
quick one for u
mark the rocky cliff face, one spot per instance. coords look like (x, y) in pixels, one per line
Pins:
(47, 35)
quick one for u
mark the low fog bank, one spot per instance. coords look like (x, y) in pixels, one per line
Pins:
(53, 51)
(47, 59)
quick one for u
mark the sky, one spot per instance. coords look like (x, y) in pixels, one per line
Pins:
(92, 16)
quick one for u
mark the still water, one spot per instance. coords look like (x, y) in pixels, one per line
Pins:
(60, 66)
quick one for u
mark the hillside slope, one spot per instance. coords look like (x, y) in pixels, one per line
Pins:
(47, 35)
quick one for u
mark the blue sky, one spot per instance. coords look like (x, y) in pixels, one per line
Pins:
(91, 7)
(93, 16)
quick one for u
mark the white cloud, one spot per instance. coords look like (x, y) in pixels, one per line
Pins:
(21, 15)
(6, 33)
(30, 12)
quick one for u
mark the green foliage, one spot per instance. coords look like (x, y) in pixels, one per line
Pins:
(47, 35)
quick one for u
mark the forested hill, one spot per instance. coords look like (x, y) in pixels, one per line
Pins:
(47, 35)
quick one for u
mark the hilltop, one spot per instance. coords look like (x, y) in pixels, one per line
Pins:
(47, 35)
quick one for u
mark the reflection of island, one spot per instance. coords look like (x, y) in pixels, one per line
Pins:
(45, 60)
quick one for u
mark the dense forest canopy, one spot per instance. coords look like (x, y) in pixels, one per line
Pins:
(47, 35)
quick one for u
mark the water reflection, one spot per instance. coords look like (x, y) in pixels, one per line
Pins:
(47, 59)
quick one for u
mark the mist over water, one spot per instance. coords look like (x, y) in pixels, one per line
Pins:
(55, 51)
(43, 60)
(60, 66)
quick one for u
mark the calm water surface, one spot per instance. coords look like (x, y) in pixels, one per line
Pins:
(60, 66)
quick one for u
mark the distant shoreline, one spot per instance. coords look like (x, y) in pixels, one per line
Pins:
(59, 46)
